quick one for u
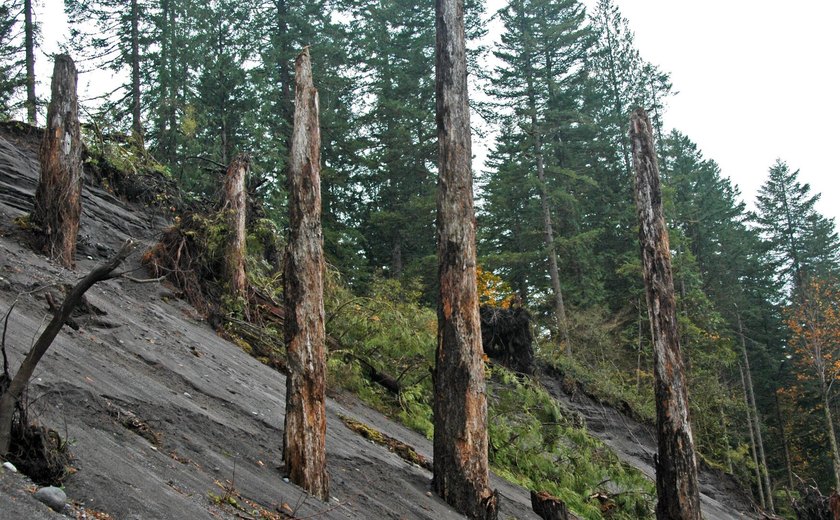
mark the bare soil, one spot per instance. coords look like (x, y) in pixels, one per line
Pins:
(163, 416)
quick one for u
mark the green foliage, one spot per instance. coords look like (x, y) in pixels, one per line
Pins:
(540, 446)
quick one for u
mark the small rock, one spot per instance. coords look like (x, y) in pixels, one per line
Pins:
(52, 496)
(286, 479)
(187, 395)
(9, 466)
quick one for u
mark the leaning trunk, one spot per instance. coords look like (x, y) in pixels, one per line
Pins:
(758, 480)
(460, 404)
(676, 465)
(757, 423)
(58, 201)
(29, 43)
(235, 205)
(11, 396)
(305, 429)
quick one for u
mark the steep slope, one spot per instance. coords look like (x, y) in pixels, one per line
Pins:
(162, 414)
(160, 411)
(635, 443)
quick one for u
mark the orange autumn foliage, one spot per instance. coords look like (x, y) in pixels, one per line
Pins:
(492, 290)
(814, 323)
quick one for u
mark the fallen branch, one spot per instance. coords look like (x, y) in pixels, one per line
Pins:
(12, 394)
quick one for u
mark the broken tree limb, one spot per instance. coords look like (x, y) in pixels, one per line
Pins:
(676, 466)
(21, 379)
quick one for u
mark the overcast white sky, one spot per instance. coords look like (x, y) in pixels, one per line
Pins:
(757, 80)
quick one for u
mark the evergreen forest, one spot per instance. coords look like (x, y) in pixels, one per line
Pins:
(197, 83)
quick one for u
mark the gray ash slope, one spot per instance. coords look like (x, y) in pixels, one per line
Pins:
(153, 363)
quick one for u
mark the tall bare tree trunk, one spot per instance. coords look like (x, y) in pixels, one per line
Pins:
(676, 466)
(136, 123)
(759, 482)
(58, 201)
(305, 430)
(29, 43)
(757, 423)
(460, 406)
(785, 447)
(27, 367)
(235, 206)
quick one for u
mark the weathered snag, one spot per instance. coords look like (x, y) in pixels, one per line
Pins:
(460, 403)
(58, 197)
(304, 436)
(676, 466)
(235, 206)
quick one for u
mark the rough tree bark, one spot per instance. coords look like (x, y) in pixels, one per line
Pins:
(235, 206)
(305, 429)
(12, 394)
(460, 403)
(768, 490)
(676, 465)
(58, 198)
(136, 123)
(29, 43)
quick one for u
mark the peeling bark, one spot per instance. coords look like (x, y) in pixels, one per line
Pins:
(460, 403)
(305, 428)
(58, 202)
(235, 206)
(676, 466)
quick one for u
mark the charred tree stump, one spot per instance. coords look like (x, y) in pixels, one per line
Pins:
(305, 429)
(548, 507)
(58, 202)
(676, 466)
(235, 206)
(460, 402)
(18, 383)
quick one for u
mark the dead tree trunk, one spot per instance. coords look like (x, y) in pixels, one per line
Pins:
(676, 465)
(768, 495)
(305, 429)
(12, 394)
(758, 481)
(58, 198)
(235, 206)
(460, 403)
(29, 43)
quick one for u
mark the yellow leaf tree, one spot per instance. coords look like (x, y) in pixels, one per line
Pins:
(814, 322)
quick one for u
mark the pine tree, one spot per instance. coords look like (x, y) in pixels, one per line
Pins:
(801, 242)
(119, 38)
(18, 38)
(542, 52)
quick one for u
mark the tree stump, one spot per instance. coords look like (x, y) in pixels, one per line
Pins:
(305, 429)
(58, 202)
(460, 403)
(676, 466)
(549, 507)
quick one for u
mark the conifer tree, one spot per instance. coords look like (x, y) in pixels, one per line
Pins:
(801, 242)
(542, 50)
(118, 38)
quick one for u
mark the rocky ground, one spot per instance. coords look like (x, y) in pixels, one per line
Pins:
(167, 420)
